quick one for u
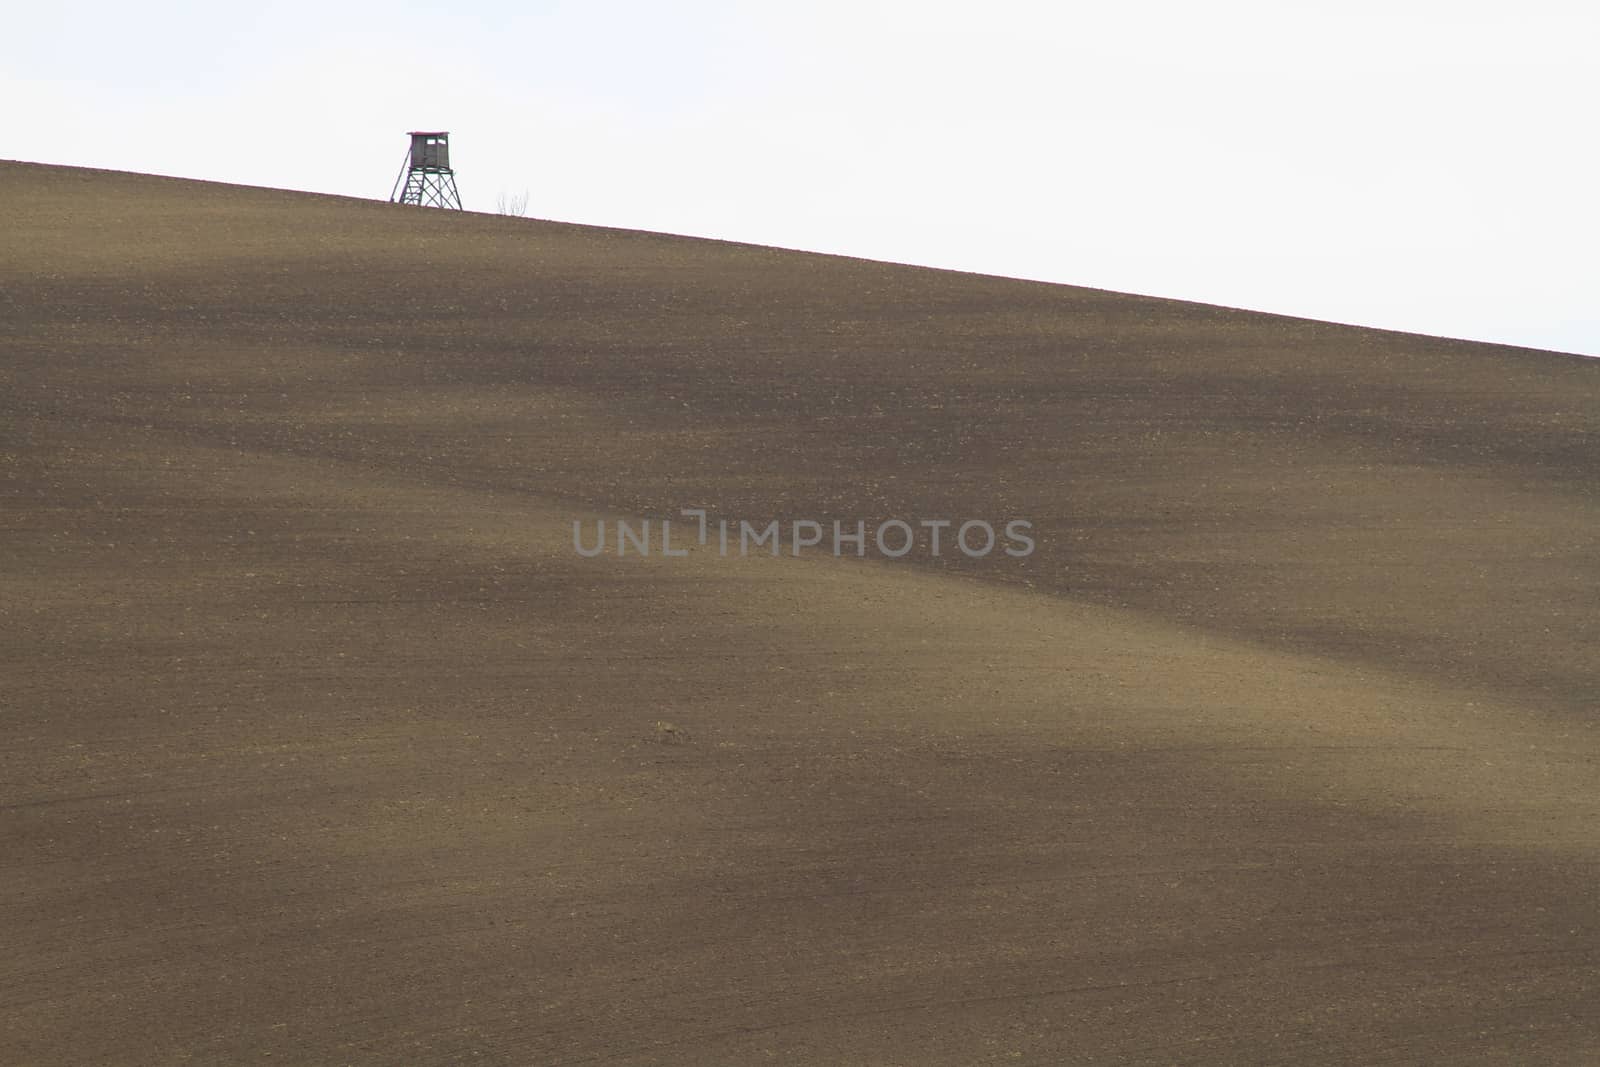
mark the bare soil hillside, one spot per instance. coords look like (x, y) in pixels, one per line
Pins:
(321, 744)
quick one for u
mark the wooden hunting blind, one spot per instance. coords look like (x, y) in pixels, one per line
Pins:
(426, 178)
(430, 151)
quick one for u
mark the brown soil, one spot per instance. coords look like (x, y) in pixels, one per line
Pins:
(321, 745)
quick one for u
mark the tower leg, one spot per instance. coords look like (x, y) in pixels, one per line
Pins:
(429, 188)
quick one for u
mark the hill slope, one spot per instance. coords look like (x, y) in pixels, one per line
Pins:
(323, 742)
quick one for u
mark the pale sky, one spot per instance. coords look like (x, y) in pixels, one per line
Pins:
(1432, 167)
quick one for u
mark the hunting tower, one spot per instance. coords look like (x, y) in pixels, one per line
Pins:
(425, 177)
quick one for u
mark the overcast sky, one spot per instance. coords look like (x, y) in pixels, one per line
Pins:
(1432, 167)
